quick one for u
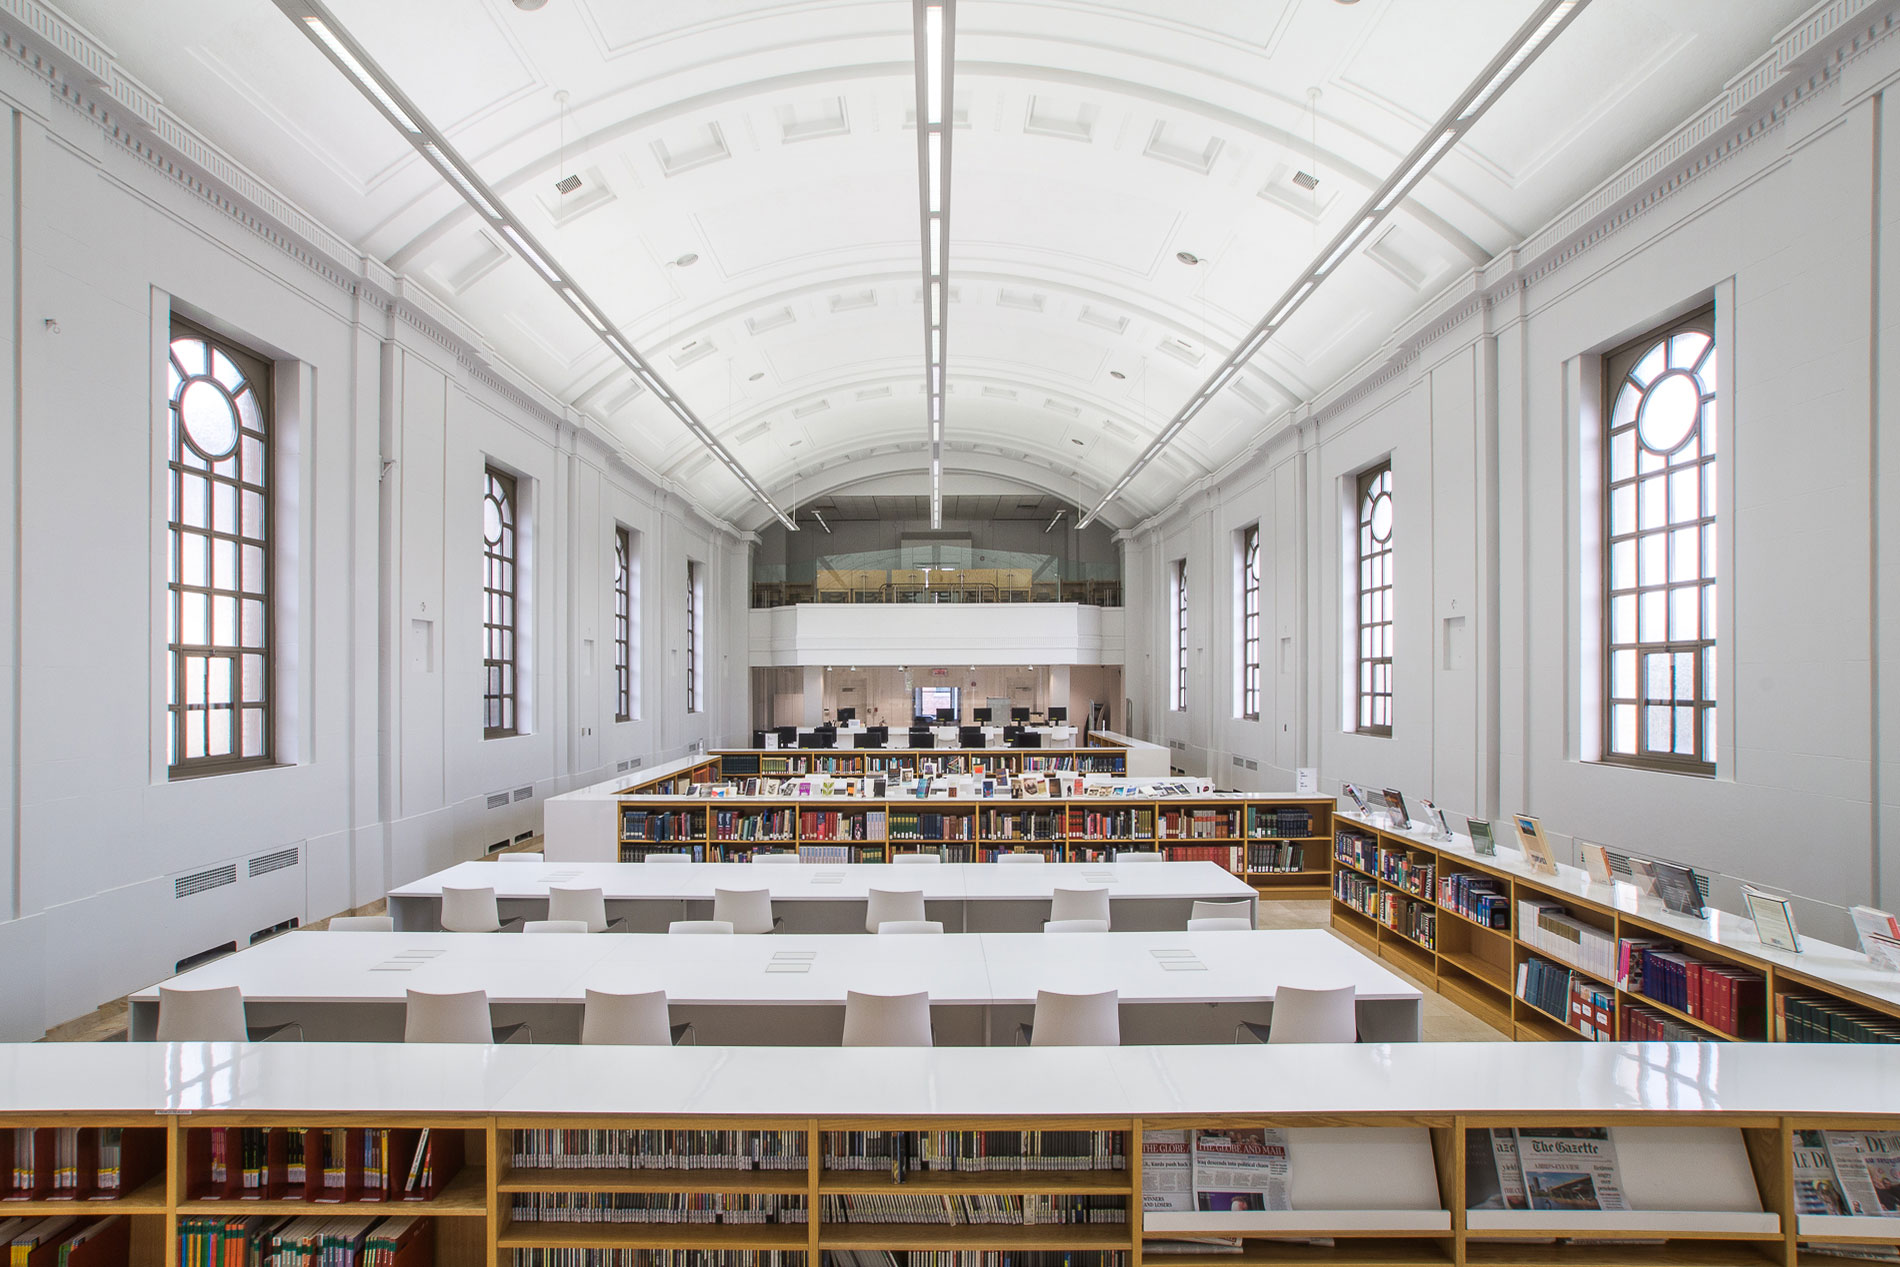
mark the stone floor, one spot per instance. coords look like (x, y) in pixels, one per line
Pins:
(1445, 1021)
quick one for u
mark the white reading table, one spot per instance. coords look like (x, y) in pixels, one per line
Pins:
(786, 990)
(968, 897)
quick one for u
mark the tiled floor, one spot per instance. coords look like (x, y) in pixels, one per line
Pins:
(1445, 1021)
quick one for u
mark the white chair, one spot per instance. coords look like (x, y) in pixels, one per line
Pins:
(555, 926)
(668, 858)
(460, 1017)
(917, 859)
(215, 1015)
(1074, 1020)
(747, 910)
(362, 924)
(1019, 858)
(883, 904)
(521, 857)
(471, 910)
(1308, 1016)
(1242, 911)
(770, 858)
(589, 906)
(910, 926)
(634, 1020)
(700, 926)
(1076, 926)
(1079, 904)
(1139, 855)
(1219, 925)
(887, 1020)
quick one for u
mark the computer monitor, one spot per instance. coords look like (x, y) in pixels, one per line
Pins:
(970, 736)
(758, 739)
(920, 719)
(946, 717)
(847, 714)
(788, 736)
(922, 737)
(1058, 716)
(1027, 739)
(878, 733)
(1020, 716)
(824, 739)
(980, 716)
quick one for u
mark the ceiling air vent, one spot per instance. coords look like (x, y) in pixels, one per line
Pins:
(635, 763)
(1239, 762)
(568, 184)
(1306, 180)
(622, 767)
(265, 863)
(1253, 765)
(498, 800)
(523, 793)
(215, 878)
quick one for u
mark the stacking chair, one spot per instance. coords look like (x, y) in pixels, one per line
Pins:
(700, 926)
(891, 904)
(1089, 903)
(1219, 924)
(887, 1020)
(635, 1020)
(1308, 1016)
(1076, 926)
(917, 859)
(774, 858)
(1223, 910)
(910, 926)
(471, 911)
(669, 858)
(1020, 857)
(461, 1017)
(555, 926)
(215, 1015)
(521, 857)
(747, 910)
(1074, 1020)
(1139, 855)
(362, 924)
(589, 906)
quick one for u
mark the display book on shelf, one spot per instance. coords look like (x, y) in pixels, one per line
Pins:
(1585, 1174)
(906, 762)
(1275, 841)
(1561, 956)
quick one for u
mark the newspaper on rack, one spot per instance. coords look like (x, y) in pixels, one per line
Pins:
(1242, 1170)
(1167, 1173)
(1493, 1180)
(1816, 1190)
(1570, 1168)
(1867, 1166)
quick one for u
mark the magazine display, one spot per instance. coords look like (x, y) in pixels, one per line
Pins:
(1867, 1168)
(1816, 1190)
(1167, 1173)
(1570, 1168)
(1242, 1170)
(1879, 936)
(1493, 1179)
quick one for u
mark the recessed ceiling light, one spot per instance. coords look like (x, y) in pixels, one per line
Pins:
(686, 261)
(1187, 257)
(1074, 440)
(753, 378)
(1116, 374)
(529, 6)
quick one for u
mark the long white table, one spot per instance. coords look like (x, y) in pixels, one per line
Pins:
(789, 990)
(814, 897)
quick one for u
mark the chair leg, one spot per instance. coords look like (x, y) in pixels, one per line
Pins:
(1255, 1028)
(264, 1033)
(682, 1030)
(1025, 1030)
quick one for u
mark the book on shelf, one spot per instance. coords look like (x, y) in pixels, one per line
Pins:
(1568, 997)
(1570, 1168)
(901, 1153)
(1596, 861)
(1235, 1170)
(1395, 806)
(1803, 1018)
(1879, 936)
(1482, 899)
(1483, 843)
(1679, 887)
(1551, 928)
(658, 1207)
(1773, 916)
(1536, 846)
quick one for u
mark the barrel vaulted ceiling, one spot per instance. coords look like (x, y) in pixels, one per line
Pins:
(748, 207)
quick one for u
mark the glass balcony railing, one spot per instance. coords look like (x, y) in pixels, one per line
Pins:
(951, 576)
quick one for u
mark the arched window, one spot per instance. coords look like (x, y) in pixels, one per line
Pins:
(1659, 549)
(219, 556)
(1374, 712)
(498, 604)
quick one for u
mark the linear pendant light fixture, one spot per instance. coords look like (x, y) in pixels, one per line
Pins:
(1530, 39)
(341, 48)
(934, 25)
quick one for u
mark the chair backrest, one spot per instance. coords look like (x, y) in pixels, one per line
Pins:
(1139, 855)
(521, 857)
(1077, 1020)
(556, 926)
(469, 910)
(747, 910)
(911, 926)
(589, 906)
(667, 858)
(461, 1017)
(1020, 857)
(1090, 903)
(883, 904)
(700, 926)
(777, 859)
(887, 1020)
(201, 1016)
(1076, 926)
(1219, 924)
(917, 859)
(639, 1020)
(1223, 910)
(362, 924)
(1314, 1016)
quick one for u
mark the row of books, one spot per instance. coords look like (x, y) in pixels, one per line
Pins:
(1034, 1210)
(1032, 825)
(901, 1152)
(1727, 998)
(1357, 891)
(916, 825)
(1482, 899)
(961, 1258)
(1276, 857)
(1200, 824)
(1415, 920)
(1279, 820)
(1227, 857)
(771, 824)
(831, 825)
(1568, 996)
(658, 1207)
(66, 1240)
(635, 851)
(659, 1150)
(337, 1164)
(1646, 1025)
(832, 855)
(1804, 1019)
(303, 1241)
(1357, 851)
(1121, 824)
(1553, 930)
(642, 824)
(67, 1163)
(1416, 873)
(572, 1257)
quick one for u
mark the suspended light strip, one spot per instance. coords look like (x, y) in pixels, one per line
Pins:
(1518, 53)
(934, 33)
(349, 56)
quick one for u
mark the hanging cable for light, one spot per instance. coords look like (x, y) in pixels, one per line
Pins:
(934, 38)
(380, 90)
(1518, 53)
